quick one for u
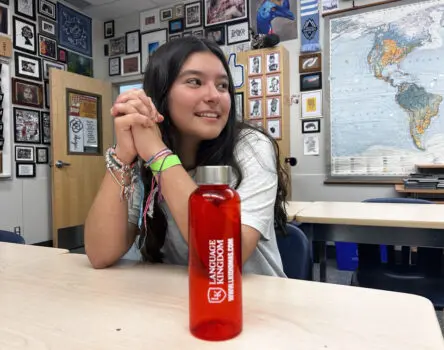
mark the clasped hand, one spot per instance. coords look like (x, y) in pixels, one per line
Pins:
(136, 126)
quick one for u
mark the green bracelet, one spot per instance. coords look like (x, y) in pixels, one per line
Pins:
(165, 163)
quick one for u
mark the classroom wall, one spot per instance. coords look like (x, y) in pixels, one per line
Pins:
(27, 202)
(309, 174)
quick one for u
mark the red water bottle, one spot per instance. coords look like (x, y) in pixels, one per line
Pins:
(215, 256)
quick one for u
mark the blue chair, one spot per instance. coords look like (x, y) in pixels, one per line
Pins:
(296, 255)
(11, 237)
(424, 278)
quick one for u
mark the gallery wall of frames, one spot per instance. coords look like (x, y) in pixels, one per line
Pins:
(41, 40)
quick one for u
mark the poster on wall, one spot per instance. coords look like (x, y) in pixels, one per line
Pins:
(84, 122)
(272, 17)
(219, 12)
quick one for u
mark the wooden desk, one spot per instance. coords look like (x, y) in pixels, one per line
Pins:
(65, 304)
(420, 225)
(294, 208)
(18, 254)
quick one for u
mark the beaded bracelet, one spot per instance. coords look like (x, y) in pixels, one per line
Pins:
(115, 165)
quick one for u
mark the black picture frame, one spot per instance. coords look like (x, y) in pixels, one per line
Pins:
(187, 8)
(27, 93)
(21, 159)
(311, 126)
(31, 134)
(37, 155)
(47, 95)
(239, 101)
(6, 2)
(45, 124)
(108, 29)
(237, 26)
(21, 72)
(310, 81)
(31, 16)
(172, 26)
(47, 8)
(43, 22)
(213, 32)
(4, 17)
(135, 34)
(114, 60)
(20, 165)
(206, 11)
(22, 39)
(52, 48)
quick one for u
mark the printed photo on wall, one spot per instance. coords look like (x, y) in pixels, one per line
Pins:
(42, 155)
(27, 93)
(117, 46)
(27, 66)
(47, 47)
(255, 87)
(166, 14)
(132, 42)
(273, 107)
(311, 103)
(25, 170)
(238, 33)
(47, 27)
(273, 85)
(108, 28)
(47, 8)
(24, 35)
(216, 34)
(114, 66)
(149, 20)
(255, 65)
(311, 81)
(130, 64)
(274, 17)
(25, 8)
(46, 128)
(24, 154)
(274, 128)
(193, 15)
(255, 110)
(311, 126)
(218, 12)
(273, 62)
(150, 42)
(310, 63)
(26, 126)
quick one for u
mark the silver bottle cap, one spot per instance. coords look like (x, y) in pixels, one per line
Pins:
(214, 175)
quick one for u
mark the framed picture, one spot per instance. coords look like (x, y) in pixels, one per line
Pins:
(24, 154)
(108, 29)
(274, 128)
(47, 8)
(25, 8)
(24, 170)
(46, 128)
(26, 125)
(79, 40)
(273, 84)
(26, 66)
(255, 87)
(310, 81)
(185, 34)
(42, 155)
(311, 103)
(274, 107)
(178, 11)
(132, 42)
(47, 47)
(117, 46)
(166, 14)
(310, 63)
(238, 33)
(193, 15)
(47, 65)
(24, 35)
(149, 20)
(273, 62)
(255, 109)
(149, 43)
(218, 12)
(216, 34)
(27, 93)
(311, 126)
(239, 105)
(131, 64)
(114, 66)
(4, 20)
(175, 26)
(199, 33)
(174, 37)
(47, 95)
(62, 56)
(47, 27)
(255, 65)
(80, 64)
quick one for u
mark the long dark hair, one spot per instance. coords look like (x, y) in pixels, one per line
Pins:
(162, 70)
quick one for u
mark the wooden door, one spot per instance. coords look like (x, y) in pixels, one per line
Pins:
(81, 131)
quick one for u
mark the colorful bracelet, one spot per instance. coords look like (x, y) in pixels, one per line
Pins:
(165, 163)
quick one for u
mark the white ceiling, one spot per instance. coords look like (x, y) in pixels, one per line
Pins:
(113, 9)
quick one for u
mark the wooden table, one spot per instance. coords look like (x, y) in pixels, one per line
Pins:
(398, 224)
(21, 254)
(65, 304)
(293, 208)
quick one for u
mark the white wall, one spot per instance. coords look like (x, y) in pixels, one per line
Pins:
(27, 202)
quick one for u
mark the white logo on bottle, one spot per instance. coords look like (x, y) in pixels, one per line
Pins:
(216, 295)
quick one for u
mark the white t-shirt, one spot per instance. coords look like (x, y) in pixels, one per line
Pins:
(256, 157)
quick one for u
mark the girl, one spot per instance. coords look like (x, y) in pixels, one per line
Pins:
(188, 120)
